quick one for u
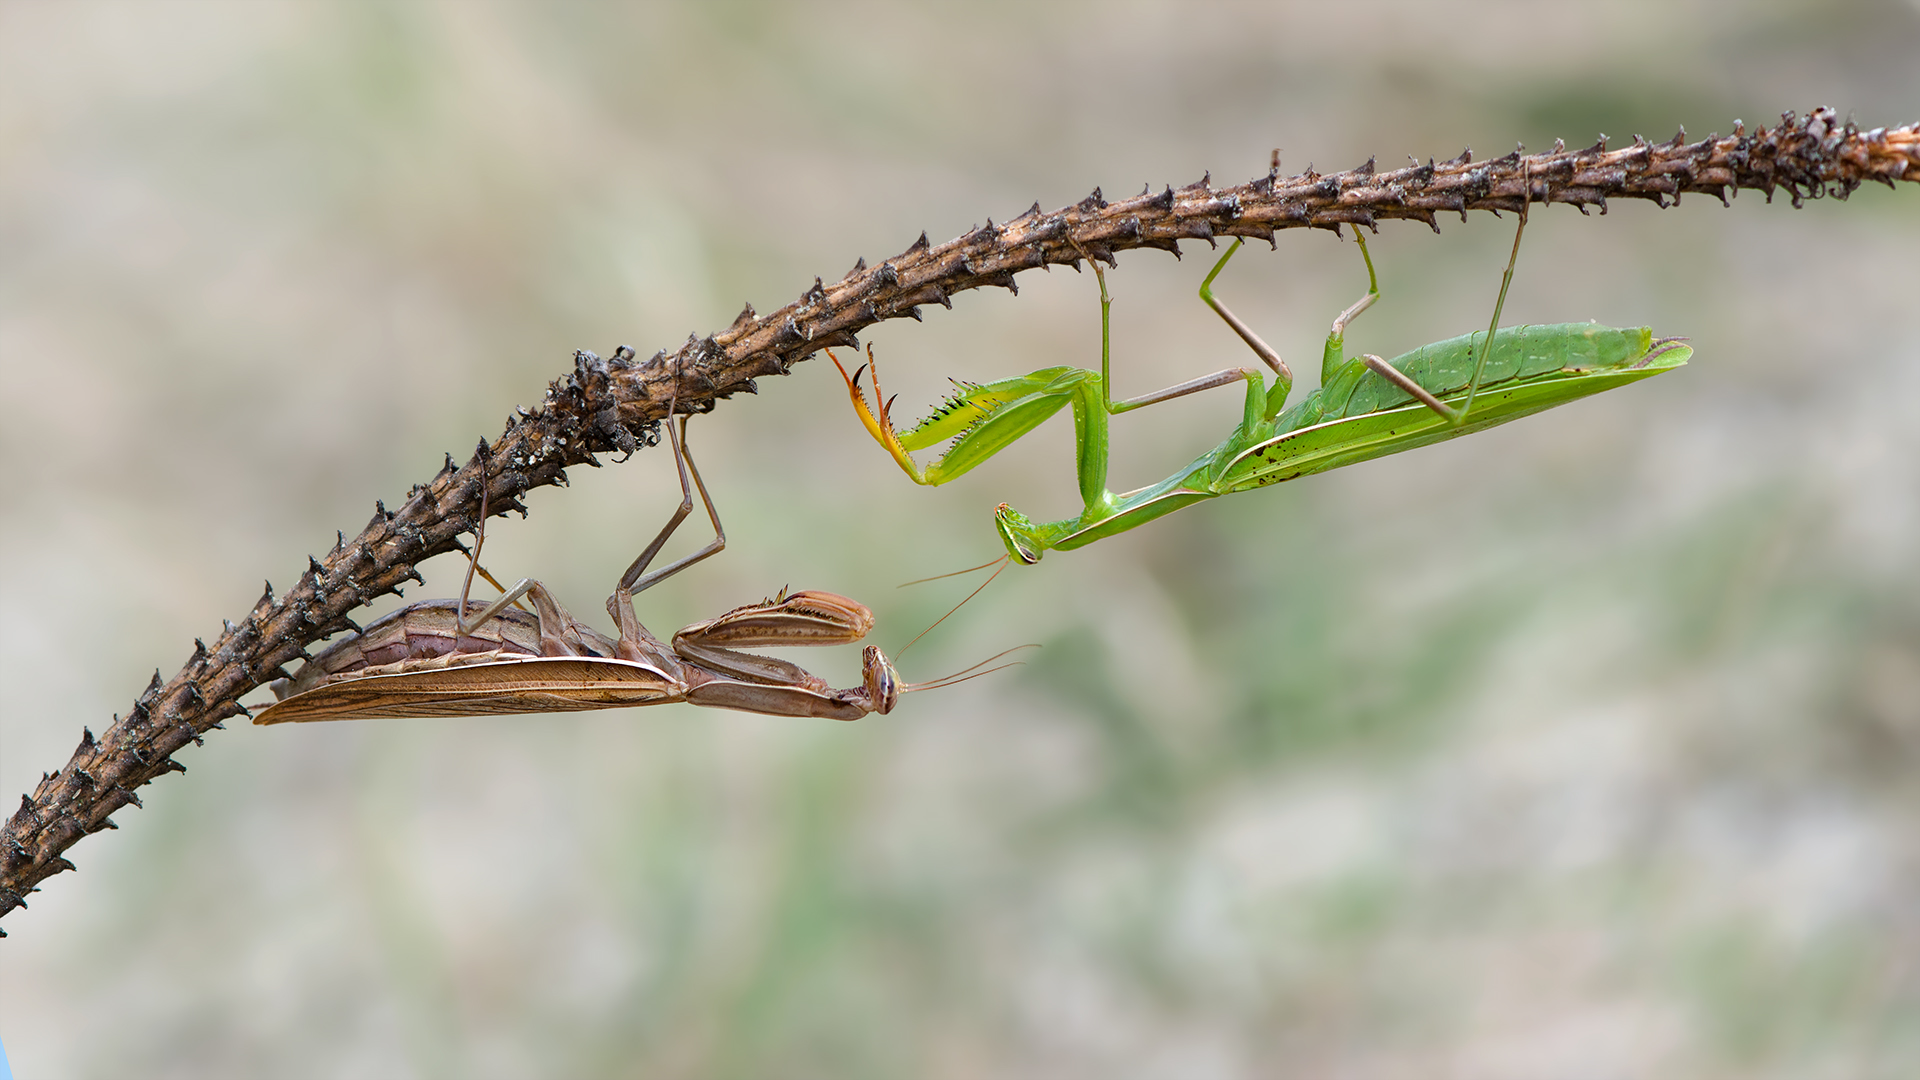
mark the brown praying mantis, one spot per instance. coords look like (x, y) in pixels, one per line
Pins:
(460, 658)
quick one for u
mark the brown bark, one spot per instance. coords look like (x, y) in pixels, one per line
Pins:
(616, 404)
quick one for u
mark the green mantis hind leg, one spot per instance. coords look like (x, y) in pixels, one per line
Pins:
(1454, 417)
(1506, 279)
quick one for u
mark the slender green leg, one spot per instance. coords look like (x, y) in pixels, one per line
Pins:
(1191, 386)
(1457, 417)
(1506, 279)
(1283, 383)
(1335, 357)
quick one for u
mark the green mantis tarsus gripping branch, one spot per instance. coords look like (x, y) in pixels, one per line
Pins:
(1365, 408)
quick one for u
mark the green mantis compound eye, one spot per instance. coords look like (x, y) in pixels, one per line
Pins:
(1014, 529)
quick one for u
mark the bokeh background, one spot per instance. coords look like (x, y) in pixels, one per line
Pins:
(1582, 748)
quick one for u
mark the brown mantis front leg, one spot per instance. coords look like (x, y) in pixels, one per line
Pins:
(768, 684)
(765, 684)
(802, 618)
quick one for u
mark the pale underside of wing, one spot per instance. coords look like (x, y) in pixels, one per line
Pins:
(530, 685)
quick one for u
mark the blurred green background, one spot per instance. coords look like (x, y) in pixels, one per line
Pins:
(1581, 748)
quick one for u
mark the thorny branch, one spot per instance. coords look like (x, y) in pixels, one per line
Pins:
(616, 404)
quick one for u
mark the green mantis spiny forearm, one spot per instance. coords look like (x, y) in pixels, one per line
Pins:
(1364, 408)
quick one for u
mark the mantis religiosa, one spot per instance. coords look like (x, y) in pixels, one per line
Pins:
(1364, 408)
(455, 658)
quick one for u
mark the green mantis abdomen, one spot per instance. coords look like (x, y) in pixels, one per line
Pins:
(1518, 353)
(1542, 367)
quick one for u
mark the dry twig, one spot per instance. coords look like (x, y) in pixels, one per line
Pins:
(616, 404)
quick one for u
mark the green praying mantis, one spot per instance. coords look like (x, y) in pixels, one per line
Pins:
(1364, 408)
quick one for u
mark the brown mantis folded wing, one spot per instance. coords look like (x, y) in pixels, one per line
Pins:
(532, 684)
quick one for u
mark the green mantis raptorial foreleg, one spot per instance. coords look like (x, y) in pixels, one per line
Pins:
(1365, 408)
(985, 419)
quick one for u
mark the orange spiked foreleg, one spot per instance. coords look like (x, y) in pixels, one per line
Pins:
(877, 422)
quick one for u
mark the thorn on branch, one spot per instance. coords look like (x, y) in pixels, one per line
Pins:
(230, 708)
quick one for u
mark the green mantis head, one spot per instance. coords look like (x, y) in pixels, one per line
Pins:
(1017, 532)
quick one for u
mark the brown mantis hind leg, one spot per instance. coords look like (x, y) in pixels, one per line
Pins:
(559, 635)
(462, 623)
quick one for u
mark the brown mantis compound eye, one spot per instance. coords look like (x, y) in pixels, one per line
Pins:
(882, 682)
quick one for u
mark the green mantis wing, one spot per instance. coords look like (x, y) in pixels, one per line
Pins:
(1519, 353)
(1529, 369)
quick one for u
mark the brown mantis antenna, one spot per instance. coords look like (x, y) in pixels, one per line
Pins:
(1002, 561)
